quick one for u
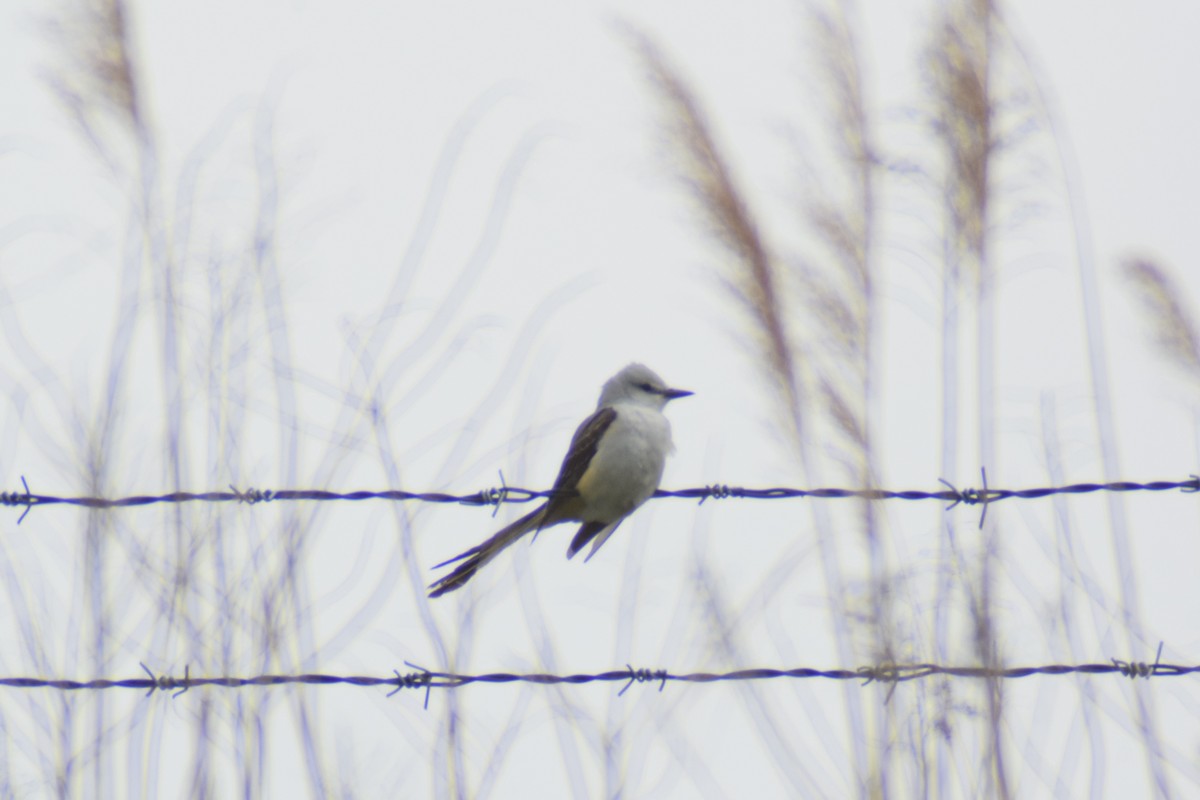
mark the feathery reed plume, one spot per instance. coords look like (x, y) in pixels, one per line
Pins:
(755, 280)
(958, 65)
(839, 297)
(1173, 324)
(99, 84)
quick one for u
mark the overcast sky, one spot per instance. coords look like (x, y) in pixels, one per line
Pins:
(408, 244)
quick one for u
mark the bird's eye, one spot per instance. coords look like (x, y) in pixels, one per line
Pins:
(645, 387)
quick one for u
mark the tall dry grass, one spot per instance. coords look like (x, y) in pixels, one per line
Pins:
(823, 392)
(229, 594)
(231, 597)
(812, 321)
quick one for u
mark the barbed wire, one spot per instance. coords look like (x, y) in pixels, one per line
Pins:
(421, 678)
(497, 496)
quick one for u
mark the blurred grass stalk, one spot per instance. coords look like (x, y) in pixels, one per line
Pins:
(958, 68)
(815, 325)
(207, 609)
(99, 86)
(814, 331)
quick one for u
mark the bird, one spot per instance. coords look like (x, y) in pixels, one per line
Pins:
(614, 464)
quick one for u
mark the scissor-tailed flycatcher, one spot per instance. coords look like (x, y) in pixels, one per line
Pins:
(615, 463)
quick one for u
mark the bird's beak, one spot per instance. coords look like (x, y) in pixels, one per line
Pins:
(675, 394)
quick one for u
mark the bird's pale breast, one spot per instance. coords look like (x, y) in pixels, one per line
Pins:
(628, 465)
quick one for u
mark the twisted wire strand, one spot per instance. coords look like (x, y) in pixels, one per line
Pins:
(420, 678)
(497, 496)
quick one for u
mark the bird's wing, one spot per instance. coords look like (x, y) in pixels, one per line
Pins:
(584, 444)
(563, 505)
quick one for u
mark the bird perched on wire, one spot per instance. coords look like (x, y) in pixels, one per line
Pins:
(614, 464)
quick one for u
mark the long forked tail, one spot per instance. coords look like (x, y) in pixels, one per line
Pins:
(473, 559)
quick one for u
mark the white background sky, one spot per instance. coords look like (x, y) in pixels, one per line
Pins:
(564, 247)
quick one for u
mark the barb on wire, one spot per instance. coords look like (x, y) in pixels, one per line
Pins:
(891, 674)
(252, 495)
(414, 680)
(1135, 669)
(497, 496)
(18, 499)
(972, 497)
(643, 675)
(166, 683)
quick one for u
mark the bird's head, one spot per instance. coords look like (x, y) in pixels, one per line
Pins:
(639, 385)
